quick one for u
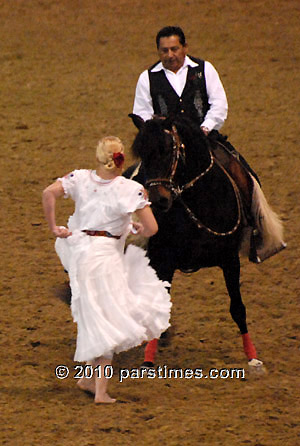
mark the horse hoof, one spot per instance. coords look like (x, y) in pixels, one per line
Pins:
(255, 363)
(256, 368)
(147, 365)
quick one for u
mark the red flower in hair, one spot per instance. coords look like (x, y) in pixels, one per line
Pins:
(118, 158)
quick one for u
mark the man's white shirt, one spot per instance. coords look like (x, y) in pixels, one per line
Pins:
(217, 113)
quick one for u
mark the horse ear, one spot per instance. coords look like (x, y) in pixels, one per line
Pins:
(137, 120)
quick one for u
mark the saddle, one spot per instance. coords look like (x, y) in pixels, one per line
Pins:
(230, 160)
(242, 174)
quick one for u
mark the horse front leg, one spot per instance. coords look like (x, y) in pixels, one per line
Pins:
(165, 271)
(151, 348)
(231, 273)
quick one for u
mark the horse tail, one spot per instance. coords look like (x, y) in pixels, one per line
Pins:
(267, 221)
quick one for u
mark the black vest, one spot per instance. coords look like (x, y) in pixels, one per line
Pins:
(193, 100)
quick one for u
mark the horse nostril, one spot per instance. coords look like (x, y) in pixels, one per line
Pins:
(160, 198)
(163, 204)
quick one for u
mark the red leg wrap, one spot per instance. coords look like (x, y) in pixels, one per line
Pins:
(249, 348)
(150, 351)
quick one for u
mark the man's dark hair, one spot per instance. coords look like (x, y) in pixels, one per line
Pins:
(168, 31)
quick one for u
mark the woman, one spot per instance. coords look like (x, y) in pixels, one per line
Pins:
(117, 300)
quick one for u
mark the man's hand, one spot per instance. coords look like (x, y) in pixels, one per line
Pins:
(205, 130)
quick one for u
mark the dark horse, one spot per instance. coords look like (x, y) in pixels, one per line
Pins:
(198, 209)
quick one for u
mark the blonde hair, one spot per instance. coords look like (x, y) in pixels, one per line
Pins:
(106, 147)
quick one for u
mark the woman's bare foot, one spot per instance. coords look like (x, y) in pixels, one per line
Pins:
(104, 398)
(101, 382)
(88, 385)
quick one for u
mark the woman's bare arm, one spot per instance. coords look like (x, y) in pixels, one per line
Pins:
(147, 219)
(50, 195)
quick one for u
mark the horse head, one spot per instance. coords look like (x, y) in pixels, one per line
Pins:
(173, 152)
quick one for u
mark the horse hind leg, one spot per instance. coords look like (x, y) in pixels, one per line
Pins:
(231, 274)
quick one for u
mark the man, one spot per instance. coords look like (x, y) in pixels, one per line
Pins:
(179, 83)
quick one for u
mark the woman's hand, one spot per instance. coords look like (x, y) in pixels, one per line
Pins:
(61, 232)
(137, 228)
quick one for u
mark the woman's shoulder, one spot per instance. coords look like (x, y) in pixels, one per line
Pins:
(130, 184)
(78, 174)
(126, 187)
(131, 194)
(82, 172)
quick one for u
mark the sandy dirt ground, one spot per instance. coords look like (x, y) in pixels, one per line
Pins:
(68, 74)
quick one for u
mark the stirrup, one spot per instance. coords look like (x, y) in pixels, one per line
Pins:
(255, 241)
(257, 253)
(264, 255)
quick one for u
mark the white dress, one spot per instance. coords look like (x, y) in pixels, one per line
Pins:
(117, 300)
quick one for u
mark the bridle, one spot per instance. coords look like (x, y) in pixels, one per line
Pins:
(176, 190)
(178, 151)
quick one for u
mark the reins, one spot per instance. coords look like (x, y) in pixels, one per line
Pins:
(177, 191)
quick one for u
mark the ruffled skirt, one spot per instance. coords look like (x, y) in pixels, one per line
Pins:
(117, 300)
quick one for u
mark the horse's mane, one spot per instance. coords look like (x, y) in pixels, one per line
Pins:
(190, 132)
(153, 130)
